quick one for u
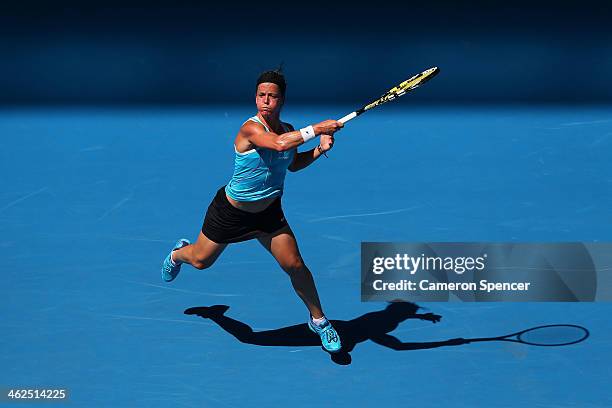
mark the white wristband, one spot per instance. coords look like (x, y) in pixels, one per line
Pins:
(307, 133)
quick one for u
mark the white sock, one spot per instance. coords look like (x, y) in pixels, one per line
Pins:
(172, 261)
(318, 321)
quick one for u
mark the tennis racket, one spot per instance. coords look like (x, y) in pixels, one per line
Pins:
(395, 92)
(550, 335)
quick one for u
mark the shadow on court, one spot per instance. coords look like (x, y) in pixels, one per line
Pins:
(373, 326)
(376, 326)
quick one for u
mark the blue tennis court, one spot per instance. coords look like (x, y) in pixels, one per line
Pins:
(93, 200)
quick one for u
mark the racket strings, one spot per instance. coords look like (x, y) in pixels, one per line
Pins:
(554, 335)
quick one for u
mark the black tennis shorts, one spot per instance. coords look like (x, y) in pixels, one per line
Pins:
(225, 223)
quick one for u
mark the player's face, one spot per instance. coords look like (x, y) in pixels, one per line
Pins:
(268, 99)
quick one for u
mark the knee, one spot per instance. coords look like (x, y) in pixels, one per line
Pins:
(294, 265)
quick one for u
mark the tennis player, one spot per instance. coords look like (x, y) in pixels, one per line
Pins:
(249, 206)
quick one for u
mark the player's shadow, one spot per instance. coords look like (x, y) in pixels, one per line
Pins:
(374, 326)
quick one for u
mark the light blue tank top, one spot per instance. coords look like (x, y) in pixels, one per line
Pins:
(260, 172)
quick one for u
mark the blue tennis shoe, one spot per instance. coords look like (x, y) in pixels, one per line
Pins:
(329, 336)
(169, 269)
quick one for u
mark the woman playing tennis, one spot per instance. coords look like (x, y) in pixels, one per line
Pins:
(249, 206)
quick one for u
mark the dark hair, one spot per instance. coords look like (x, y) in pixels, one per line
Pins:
(274, 77)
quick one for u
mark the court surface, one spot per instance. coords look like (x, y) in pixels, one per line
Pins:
(92, 200)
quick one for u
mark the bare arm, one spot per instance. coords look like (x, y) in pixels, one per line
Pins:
(302, 160)
(256, 134)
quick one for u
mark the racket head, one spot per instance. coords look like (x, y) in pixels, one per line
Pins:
(553, 335)
(406, 86)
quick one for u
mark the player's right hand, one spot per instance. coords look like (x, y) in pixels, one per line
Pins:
(328, 127)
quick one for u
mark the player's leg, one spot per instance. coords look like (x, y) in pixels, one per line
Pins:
(283, 246)
(201, 255)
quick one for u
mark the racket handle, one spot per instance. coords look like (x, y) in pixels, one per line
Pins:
(347, 117)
